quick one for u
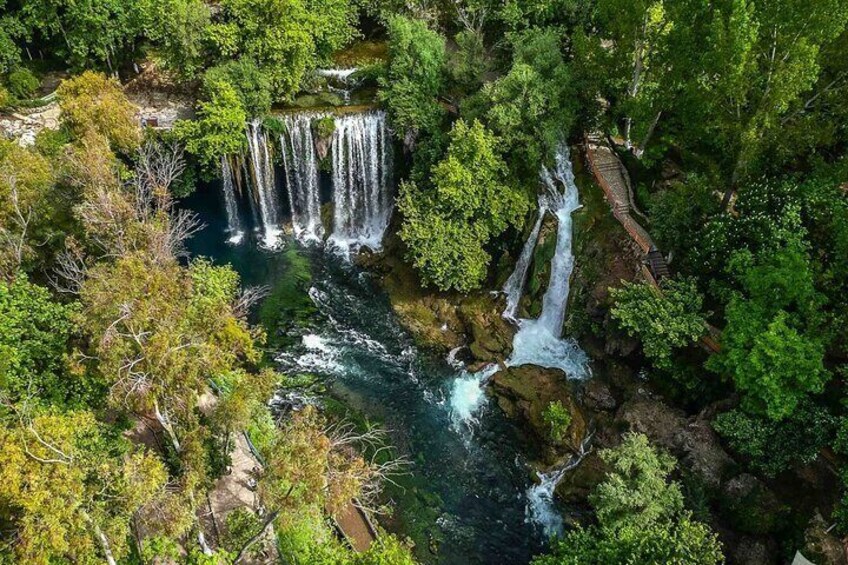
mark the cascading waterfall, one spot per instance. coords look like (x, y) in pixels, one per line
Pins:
(467, 395)
(234, 227)
(262, 168)
(301, 168)
(539, 342)
(540, 497)
(362, 163)
(514, 285)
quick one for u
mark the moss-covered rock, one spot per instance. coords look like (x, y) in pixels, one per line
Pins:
(489, 335)
(539, 273)
(578, 483)
(523, 393)
(750, 507)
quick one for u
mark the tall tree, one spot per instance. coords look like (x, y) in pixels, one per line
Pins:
(446, 228)
(640, 516)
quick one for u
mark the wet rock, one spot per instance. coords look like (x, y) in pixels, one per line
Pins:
(577, 484)
(598, 396)
(524, 392)
(539, 273)
(489, 335)
(691, 440)
(749, 506)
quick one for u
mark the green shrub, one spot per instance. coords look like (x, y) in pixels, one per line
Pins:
(558, 419)
(22, 83)
(325, 127)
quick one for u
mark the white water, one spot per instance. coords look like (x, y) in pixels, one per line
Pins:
(234, 227)
(540, 497)
(514, 285)
(301, 167)
(264, 186)
(362, 162)
(539, 342)
(467, 395)
(341, 75)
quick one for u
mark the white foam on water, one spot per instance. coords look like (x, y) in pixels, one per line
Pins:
(467, 395)
(539, 341)
(541, 509)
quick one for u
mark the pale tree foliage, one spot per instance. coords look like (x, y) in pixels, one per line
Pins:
(315, 464)
(74, 489)
(26, 181)
(158, 331)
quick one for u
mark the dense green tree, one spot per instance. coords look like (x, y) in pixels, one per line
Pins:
(663, 320)
(414, 77)
(532, 108)
(772, 345)
(447, 228)
(34, 337)
(180, 29)
(640, 516)
(85, 33)
(218, 129)
(286, 38)
(773, 447)
(247, 79)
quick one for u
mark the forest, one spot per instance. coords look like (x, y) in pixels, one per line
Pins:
(383, 282)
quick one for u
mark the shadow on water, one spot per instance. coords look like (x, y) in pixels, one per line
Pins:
(465, 499)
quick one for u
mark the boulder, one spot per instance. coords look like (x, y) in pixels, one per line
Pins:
(489, 335)
(749, 506)
(524, 392)
(821, 546)
(578, 483)
(750, 550)
(598, 396)
(693, 441)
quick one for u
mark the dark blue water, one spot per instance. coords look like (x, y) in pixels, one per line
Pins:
(464, 500)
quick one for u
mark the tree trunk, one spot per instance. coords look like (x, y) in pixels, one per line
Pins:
(166, 425)
(252, 541)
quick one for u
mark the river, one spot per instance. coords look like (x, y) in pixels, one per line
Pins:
(465, 497)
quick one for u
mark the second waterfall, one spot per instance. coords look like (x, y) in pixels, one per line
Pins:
(356, 178)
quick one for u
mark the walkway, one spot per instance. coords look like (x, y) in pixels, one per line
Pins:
(613, 179)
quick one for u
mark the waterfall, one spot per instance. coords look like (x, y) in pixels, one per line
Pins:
(301, 168)
(540, 497)
(539, 342)
(341, 75)
(234, 227)
(362, 161)
(467, 395)
(514, 285)
(264, 186)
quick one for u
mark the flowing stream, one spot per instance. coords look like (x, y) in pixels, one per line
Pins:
(468, 498)
(465, 500)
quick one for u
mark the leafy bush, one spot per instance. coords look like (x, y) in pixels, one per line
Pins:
(662, 320)
(22, 83)
(557, 417)
(772, 447)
